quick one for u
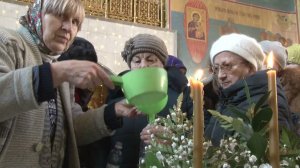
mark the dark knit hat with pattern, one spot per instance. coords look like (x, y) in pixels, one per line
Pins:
(143, 43)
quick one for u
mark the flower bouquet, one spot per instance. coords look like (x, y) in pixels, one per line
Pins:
(248, 147)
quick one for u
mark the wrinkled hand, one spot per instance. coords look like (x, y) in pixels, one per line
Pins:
(82, 74)
(126, 110)
(151, 130)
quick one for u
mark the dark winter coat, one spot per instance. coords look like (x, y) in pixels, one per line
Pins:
(235, 95)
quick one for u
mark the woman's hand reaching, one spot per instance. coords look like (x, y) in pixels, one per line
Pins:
(82, 74)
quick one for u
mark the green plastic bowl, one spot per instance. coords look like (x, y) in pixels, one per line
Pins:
(145, 88)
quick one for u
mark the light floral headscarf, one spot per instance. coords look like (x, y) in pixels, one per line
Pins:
(33, 22)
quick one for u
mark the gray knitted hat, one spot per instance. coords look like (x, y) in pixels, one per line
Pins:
(142, 43)
(279, 51)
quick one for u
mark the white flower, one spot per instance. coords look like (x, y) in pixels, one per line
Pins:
(237, 159)
(180, 148)
(182, 137)
(159, 155)
(252, 159)
(226, 165)
(247, 165)
(169, 161)
(222, 142)
(266, 165)
(243, 154)
(232, 146)
(284, 163)
(174, 145)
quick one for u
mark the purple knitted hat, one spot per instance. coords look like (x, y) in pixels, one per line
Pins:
(175, 62)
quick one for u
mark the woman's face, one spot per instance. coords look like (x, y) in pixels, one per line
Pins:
(59, 31)
(229, 68)
(143, 60)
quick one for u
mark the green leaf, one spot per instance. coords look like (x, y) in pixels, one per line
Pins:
(247, 91)
(257, 145)
(239, 113)
(290, 139)
(285, 138)
(225, 121)
(261, 101)
(250, 112)
(151, 160)
(242, 128)
(261, 119)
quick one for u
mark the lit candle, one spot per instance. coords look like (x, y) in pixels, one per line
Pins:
(274, 132)
(198, 119)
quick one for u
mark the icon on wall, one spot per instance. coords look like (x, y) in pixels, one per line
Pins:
(196, 26)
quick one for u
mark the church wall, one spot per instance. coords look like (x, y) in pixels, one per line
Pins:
(107, 36)
(262, 20)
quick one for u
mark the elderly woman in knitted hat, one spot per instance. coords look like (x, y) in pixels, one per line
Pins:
(142, 51)
(237, 58)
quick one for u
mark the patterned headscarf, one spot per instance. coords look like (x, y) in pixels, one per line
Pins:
(33, 22)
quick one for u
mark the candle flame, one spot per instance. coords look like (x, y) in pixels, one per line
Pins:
(270, 60)
(198, 74)
(190, 80)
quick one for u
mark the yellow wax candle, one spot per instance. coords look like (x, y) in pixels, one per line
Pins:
(198, 121)
(274, 131)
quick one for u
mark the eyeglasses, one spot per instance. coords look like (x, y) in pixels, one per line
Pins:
(225, 68)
